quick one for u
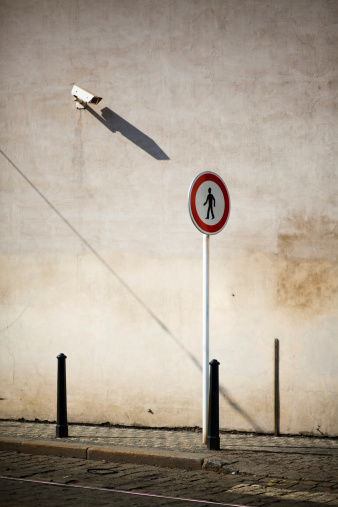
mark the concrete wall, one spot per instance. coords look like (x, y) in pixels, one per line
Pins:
(99, 257)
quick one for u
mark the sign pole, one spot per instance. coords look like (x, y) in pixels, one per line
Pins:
(205, 335)
(209, 208)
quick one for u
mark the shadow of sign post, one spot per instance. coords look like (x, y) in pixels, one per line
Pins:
(178, 342)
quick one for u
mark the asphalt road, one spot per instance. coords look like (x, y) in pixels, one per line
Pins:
(29, 480)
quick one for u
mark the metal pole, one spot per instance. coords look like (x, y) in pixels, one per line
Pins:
(205, 334)
(61, 419)
(277, 404)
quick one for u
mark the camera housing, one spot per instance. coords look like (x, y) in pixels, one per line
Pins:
(84, 97)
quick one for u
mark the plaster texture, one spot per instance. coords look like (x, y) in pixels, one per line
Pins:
(99, 258)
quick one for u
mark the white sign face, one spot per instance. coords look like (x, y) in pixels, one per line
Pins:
(209, 203)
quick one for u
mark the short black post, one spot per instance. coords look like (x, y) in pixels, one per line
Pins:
(61, 420)
(213, 441)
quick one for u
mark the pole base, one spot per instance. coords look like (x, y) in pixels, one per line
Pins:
(61, 431)
(213, 443)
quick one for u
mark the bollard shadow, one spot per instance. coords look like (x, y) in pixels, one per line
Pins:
(150, 312)
(116, 123)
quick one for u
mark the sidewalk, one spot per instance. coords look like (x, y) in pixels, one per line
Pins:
(292, 457)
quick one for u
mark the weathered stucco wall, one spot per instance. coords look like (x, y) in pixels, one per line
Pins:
(99, 258)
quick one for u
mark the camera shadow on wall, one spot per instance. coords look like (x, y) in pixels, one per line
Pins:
(116, 123)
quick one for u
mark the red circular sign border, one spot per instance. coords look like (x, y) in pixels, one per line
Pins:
(203, 227)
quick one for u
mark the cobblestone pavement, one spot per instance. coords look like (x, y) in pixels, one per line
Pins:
(251, 469)
(167, 439)
(48, 480)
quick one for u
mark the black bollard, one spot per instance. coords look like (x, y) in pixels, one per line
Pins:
(213, 441)
(61, 419)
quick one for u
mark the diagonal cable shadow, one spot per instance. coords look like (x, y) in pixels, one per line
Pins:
(222, 390)
(116, 123)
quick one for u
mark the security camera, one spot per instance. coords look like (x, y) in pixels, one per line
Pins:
(84, 97)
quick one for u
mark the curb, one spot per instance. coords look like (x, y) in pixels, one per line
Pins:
(44, 447)
(140, 456)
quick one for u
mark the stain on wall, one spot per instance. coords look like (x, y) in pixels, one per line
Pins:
(309, 286)
(308, 236)
(307, 267)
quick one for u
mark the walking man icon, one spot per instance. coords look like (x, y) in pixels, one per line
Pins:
(211, 200)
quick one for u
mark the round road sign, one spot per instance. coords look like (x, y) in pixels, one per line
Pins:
(209, 203)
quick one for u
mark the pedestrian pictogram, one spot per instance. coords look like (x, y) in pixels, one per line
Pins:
(209, 203)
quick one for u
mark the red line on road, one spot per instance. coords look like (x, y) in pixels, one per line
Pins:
(121, 491)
